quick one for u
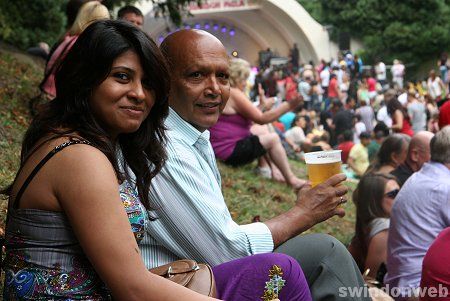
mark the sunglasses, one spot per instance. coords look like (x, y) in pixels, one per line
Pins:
(392, 194)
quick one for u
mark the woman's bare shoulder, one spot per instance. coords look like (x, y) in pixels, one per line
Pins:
(69, 148)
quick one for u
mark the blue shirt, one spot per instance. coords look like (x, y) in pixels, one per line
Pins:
(286, 119)
(420, 212)
(192, 219)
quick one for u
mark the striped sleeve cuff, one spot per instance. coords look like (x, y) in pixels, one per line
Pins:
(259, 238)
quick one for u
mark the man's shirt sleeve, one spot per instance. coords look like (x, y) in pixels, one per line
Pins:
(192, 219)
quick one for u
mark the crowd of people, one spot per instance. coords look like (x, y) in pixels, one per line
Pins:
(127, 125)
(395, 139)
(136, 130)
(345, 105)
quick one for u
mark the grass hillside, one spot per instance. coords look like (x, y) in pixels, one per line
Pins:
(19, 78)
(247, 195)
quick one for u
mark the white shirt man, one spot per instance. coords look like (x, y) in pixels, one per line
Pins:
(380, 69)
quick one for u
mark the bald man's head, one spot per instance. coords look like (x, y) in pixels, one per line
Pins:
(199, 76)
(419, 150)
(176, 45)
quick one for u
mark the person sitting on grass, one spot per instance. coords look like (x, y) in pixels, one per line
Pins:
(320, 142)
(192, 218)
(231, 138)
(380, 132)
(358, 158)
(295, 136)
(373, 198)
(420, 212)
(391, 154)
(346, 146)
(358, 127)
(418, 155)
(77, 212)
(89, 12)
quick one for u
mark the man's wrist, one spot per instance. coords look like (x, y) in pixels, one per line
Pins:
(289, 225)
(304, 217)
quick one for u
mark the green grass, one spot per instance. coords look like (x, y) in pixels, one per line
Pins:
(246, 194)
(18, 83)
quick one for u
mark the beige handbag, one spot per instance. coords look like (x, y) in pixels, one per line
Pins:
(190, 274)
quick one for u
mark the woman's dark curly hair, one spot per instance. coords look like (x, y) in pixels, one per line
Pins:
(85, 67)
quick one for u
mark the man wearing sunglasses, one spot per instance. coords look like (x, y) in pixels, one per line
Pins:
(420, 212)
(418, 155)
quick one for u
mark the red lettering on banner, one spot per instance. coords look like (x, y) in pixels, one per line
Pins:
(234, 3)
(217, 4)
(207, 5)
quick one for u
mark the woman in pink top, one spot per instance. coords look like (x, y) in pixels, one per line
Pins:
(48, 86)
(88, 13)
(231, 138)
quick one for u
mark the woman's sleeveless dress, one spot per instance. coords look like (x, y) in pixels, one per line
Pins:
(44, 261)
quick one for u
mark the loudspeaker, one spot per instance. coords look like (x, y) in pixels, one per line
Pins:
(344, 40)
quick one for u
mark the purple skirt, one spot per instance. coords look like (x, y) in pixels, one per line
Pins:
(245, 278)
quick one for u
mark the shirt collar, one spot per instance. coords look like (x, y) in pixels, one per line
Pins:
(440, 170)
(180, 128)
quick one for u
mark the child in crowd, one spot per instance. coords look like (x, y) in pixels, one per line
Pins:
(358, 159)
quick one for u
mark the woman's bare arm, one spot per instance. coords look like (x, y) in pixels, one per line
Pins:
(89, 195)
(377, 252)
(398, 117)
(243, 106)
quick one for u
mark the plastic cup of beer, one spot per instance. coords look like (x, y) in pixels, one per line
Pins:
(322, 165)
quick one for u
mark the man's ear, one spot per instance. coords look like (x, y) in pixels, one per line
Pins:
(414, 155)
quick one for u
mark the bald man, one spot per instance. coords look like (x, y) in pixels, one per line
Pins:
(191, 217)
(418, 154)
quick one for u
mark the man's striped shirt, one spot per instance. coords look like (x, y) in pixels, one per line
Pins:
(192, 219)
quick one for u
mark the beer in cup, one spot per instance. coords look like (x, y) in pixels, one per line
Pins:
(322, 165)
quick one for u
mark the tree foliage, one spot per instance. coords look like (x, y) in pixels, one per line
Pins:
(410, 30)
(24, 23)
(313, 7)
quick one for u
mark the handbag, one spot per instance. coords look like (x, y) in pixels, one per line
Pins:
(190, 274)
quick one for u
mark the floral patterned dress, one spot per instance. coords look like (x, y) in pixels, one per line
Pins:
(44, 260)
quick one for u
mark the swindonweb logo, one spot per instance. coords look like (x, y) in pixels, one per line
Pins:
(395, 292)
